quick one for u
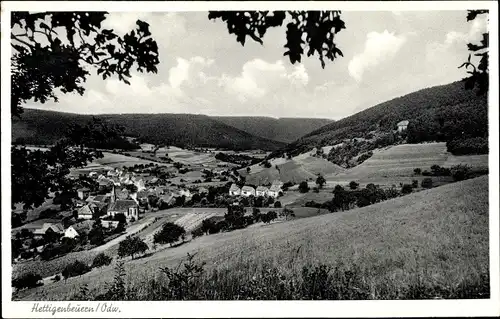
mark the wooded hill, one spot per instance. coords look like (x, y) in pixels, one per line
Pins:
(279, 129)
(42, 127)
(442, 113)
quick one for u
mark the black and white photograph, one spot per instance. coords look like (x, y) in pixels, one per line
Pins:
(214, 152)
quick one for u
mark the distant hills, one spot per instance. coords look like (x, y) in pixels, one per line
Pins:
(282, 129)
(45, 127)
(440, 113)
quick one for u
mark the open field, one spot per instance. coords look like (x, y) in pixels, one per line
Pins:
(394, 165)
(441, 234)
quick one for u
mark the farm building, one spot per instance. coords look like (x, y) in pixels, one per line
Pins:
(78, 229)
(49, 227)
(261, 191)
(234, 190)
(127, 207)
(85, 212)
(403, 125)
(247, 191)
(109, 223)
(83, 193)
(203, 190)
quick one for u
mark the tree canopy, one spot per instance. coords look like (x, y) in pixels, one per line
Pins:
(478, 75)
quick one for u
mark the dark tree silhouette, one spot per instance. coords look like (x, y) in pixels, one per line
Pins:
(313, 31)
(478, 75)
(52, 61)
(57, 59)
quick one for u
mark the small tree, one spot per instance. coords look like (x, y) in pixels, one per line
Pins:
(277, 204)
(320, 181)
(131, 246)
(170, 233)
(417, 171)
(460, 172)
(353, 185)
(426, 182)
(286, 212)
(303, 187)
(101, 260)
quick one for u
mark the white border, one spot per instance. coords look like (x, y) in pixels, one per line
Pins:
(212, 309)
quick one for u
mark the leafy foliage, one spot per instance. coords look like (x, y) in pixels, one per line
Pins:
(39, 67)
(131, 246)
(313, 31)
(478, 75)
(303, 187)
(169, 234)
(29, 280)
(101, 260)
(74, 269)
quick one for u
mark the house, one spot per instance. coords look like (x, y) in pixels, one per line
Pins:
(403, 125)
(275, 189)
(247, 191)
(184, 192)
(234, 190)
(79, 229)
(48, 228)
(167, 198)
(83, 193)
(109, 223)
(261, 191)
(127, 207)
(85, 212)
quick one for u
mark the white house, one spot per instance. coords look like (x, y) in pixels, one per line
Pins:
(86, 212)
(247, 191)
(83, 192)
(275, 189)
(403, 125)
(261, 191)
(48, 228)
(78, 229)
(234, 190)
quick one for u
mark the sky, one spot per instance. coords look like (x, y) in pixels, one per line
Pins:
(204, 70)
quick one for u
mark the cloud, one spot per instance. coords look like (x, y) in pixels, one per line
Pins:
(379, 48)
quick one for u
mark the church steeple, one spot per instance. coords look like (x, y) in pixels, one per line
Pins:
(113, 194)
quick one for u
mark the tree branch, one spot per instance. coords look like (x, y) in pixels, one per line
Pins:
(22, 41)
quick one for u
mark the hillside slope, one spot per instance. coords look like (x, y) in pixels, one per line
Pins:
(44, 127)
(438, 113)
(282, 129)
(441, 232)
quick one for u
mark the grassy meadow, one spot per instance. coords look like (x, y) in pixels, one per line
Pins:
(434, 240)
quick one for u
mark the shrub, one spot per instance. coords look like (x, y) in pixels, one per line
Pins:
(426, 182)
(101, 260)
(417, 171)
(392, 193)
(198, 232)
(460, 172)
(29, 280)
(353, 185)
(426, 173)
(406, 189)
(277, 204)
(76, 268)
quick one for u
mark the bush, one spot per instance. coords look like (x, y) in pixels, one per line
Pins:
(101, 260)
(460, 172)
(426, 182)
(277, 204)
(426, 173)
(406, 189)
(30, 280)
(76, 268)
(417, 171)
(414, 183)
(353, 185)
